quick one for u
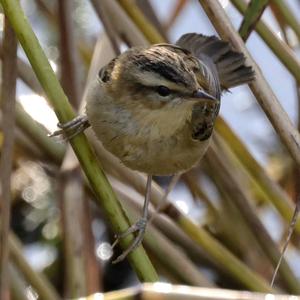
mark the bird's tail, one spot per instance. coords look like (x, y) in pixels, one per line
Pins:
(230, 64)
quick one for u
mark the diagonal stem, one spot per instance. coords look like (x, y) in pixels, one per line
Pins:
(89, 163)
(8, 95)
(260, 88)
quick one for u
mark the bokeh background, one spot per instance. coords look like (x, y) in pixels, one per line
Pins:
(69, 243)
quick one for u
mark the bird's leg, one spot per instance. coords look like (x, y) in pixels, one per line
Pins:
(162, 202)
(72, 128)
(139, 226)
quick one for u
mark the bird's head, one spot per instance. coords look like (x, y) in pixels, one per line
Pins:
(156, 77)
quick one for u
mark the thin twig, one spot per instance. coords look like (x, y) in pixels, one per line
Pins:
(43, 7)
(94, 270)
(219, 156)
(68, 53)
(9, 77)
(289, 235)
(285, 16)
(100, 9)
(38, 135)
(146, 8)
(17, 284)
(38, 281)
(26, 74)
(280, 49)
(288, 15)
(177, 10)
(71, 199)
(122, 24)
(139, 19)
(272, 192)
(260, 88)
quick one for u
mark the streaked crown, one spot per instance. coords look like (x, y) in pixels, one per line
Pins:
(156, 66)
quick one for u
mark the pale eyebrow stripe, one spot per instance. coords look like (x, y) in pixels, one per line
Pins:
(151, 79)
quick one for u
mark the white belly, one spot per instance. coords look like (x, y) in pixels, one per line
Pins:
(157, 142)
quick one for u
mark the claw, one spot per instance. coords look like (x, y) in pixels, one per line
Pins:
(55, 133)
(139, 226)
(71, 128)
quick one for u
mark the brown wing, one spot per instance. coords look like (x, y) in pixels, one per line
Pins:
(225, 65)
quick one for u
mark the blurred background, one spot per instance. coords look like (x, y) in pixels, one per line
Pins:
(59, 231)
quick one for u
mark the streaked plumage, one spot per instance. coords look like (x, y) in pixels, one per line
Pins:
(163, 135)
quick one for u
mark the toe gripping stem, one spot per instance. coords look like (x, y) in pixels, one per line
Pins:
(139, 226)
(71, 128)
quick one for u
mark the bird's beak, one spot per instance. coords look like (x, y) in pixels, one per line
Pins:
(200, 94)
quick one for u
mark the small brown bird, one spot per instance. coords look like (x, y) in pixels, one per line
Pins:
(154, 108)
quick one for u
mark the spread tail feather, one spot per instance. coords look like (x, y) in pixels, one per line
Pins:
(230, 64)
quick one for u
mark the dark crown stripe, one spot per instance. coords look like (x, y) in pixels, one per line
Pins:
(161, 68)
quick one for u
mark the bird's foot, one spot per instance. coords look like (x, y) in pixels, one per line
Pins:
(140, 227)
(71, 128)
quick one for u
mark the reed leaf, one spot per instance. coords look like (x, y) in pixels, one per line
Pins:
(253, 13)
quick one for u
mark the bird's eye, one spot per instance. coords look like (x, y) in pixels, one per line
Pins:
(163, 91)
